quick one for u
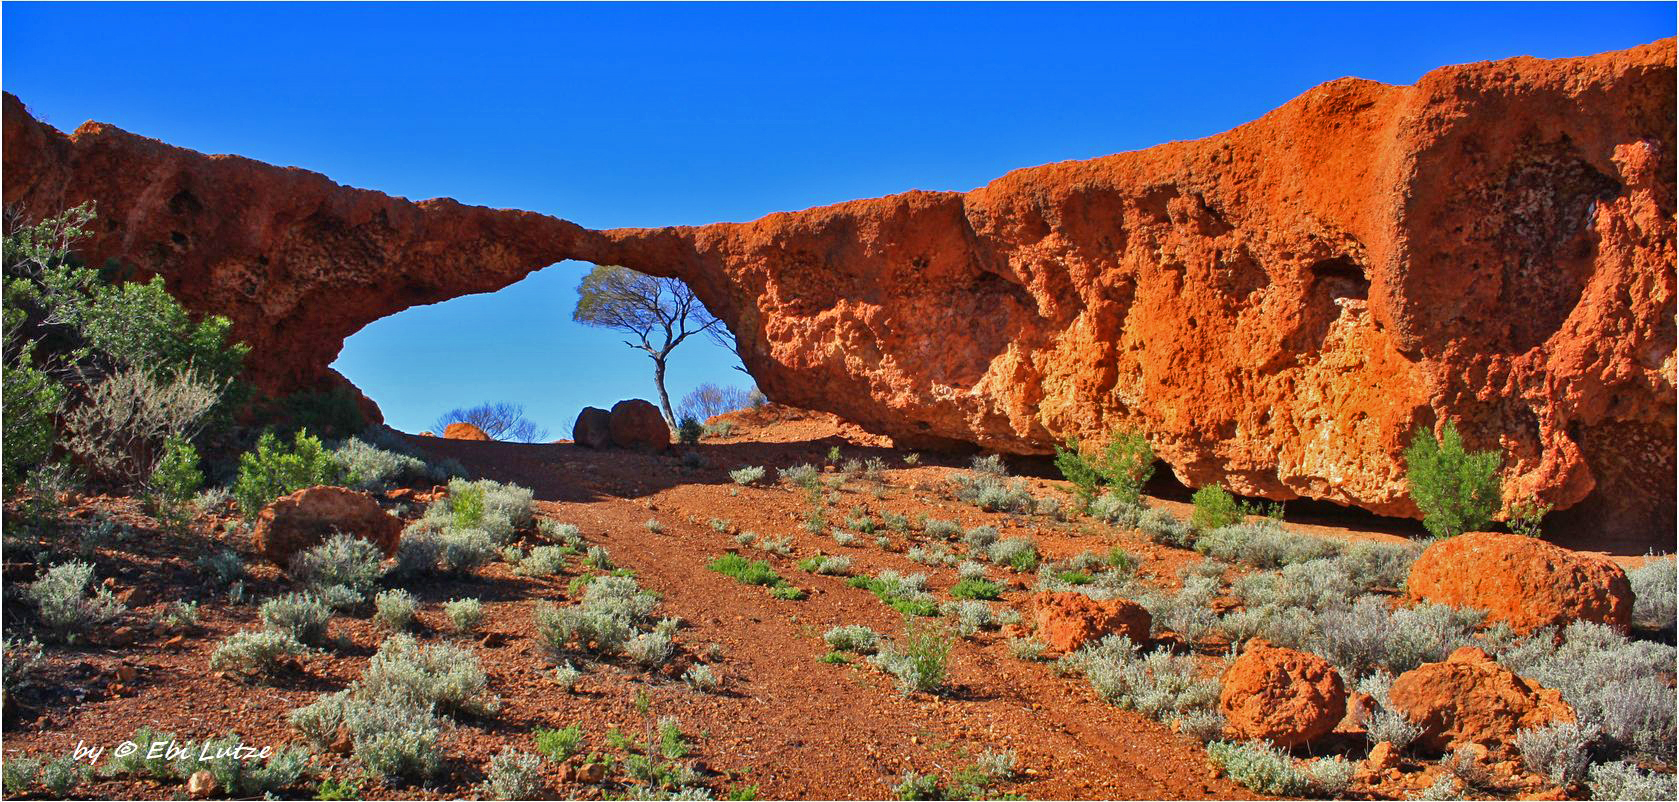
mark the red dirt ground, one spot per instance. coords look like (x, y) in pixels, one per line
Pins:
(793, 726)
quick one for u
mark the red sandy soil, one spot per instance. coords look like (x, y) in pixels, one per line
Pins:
(793, 726)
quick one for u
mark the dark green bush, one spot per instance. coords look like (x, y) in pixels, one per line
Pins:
(1457, 491)
(1124, 464)
(1214, 507)
(690, 431)
(272, 470)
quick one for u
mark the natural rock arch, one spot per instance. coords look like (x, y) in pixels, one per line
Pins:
(1170, 289)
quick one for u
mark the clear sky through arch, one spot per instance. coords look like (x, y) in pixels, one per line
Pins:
(669, 114)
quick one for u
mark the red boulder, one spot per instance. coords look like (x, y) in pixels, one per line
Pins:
(305, 519)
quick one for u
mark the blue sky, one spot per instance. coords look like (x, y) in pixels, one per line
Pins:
(664, 114)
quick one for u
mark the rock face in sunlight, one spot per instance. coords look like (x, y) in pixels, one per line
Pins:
(1277, 307)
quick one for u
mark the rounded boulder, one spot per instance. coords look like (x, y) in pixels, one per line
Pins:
(1522, 581)
(637, 424)
(1067, 621)
(463, 431)
(305, 519)
(593, 428)
(1284, 696)
(1470, 699)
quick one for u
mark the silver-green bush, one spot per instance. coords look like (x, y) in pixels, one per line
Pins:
(299, 615)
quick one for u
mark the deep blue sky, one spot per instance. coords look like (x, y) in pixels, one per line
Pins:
(643, 115)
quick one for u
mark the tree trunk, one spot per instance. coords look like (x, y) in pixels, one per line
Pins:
(664, 397)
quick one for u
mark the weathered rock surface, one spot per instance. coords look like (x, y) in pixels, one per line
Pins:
(638, 425)
(593, 428)
(461, 430)
(1284, 696)
(1066, 621)
(1277, 306)
(305, 519)
(1470, 698)
(1522, 581)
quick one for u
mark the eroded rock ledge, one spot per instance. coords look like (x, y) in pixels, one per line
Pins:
(1278, 306)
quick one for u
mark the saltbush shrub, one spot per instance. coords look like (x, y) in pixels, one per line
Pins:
(342, 561)
(1259, 767)
(440, 676)
(1653, 594)
(255, 653)
(394, 609)
(513, 775)
(464, 615)
(64, 605)
(919, 661)
(299, 615)
(747, 475)
(852, 638)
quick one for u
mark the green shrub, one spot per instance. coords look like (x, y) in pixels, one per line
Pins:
(255, 653)
(299, 615)
(976, 589)
(63, 604)
(272, 470)
(1214, 507)
(1456, 490)
(920, 662)
(332, 413)
(690, 430)
(31, 401)
(750, 572)
(1123, 465)
(176, 478)
(559, 745)
(906, 594)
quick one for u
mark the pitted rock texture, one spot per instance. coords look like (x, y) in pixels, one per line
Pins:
(1284, 696)
(1470, 698)
(1522, 581)
(1277, 307)
(1065, 622)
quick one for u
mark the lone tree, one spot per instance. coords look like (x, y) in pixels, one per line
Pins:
(659, 312)
(501, 420)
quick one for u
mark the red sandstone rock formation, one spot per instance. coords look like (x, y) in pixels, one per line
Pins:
(1522, 581)
(1470, 698)
(298, 522)
(461, 430)
(1277, 306)
(1067, 621)
(1284, 696)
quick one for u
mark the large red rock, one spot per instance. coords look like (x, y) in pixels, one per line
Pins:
(1281, 695)
(1470, 698)
(1277, 306)
(1522, 581)
(1066, 621)
(305, 519)
(593, 428)
(637, 424)
(462, 430)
